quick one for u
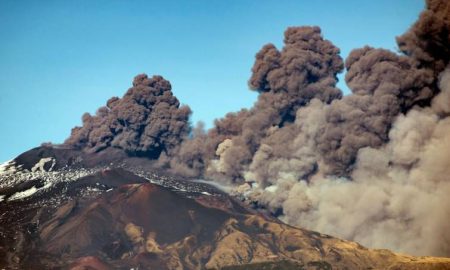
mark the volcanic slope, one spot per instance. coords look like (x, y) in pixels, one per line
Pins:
(114, 218)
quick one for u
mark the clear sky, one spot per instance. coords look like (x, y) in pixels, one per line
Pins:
(59, 59)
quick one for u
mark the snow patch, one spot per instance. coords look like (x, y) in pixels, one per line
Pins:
(2, 197)
(39, 167)
(93, 189)
(7, 167)
(47, 185)
(23, 194)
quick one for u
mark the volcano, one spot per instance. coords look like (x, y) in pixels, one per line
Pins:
(136, 186)
(64, 209)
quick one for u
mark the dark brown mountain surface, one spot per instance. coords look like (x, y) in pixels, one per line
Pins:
(116, 218)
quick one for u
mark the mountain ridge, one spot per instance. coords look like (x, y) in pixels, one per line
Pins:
(117, 218)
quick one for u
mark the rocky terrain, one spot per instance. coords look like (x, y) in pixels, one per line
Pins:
(60, 212)
(127, 188)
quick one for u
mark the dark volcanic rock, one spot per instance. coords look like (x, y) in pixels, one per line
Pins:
(59, 210)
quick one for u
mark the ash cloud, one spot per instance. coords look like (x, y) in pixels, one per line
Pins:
(147, 121)
(428, 40)
(371, 166)
(396, 197)
(383, 85)
(305, 69)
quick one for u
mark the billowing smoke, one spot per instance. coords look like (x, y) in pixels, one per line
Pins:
(372, 166)
(305, 69)
(396, 196)
(147, 121)
(428, 39)
(383, 85)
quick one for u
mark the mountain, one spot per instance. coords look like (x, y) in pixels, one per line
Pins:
(64, 209)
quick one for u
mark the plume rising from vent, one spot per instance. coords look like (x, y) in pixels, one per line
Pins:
(371, 166)
(147, 121)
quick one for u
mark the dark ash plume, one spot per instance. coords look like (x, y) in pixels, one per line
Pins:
(147, 121)
(305, 69)
(372, 166)
(428, 40)
(383, 85)
(369, 166)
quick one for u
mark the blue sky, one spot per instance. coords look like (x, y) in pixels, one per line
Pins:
(59, 59)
